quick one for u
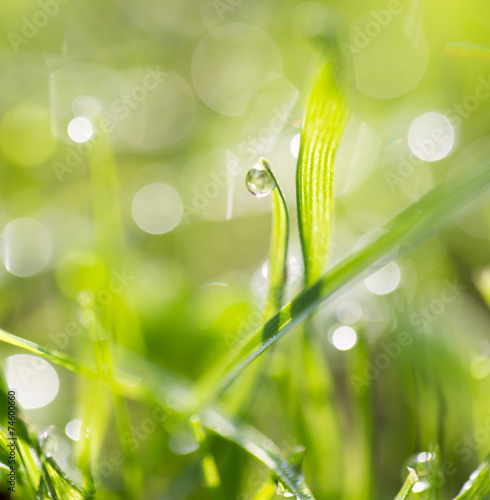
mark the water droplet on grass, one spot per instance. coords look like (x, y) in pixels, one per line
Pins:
(259, 182)
(73, 429)
(420, 486)
(425, 456)
(48, 443)
(182, 443)
(282, 491)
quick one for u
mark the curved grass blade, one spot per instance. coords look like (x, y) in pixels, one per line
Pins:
(278, 249)
(261, 179)
(324, 122)
(420, 220)
(262, 449)
(478, 486)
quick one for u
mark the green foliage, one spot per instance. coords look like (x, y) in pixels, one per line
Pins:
(212, 414)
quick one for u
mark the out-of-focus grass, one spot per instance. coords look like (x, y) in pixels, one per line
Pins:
(148, 330)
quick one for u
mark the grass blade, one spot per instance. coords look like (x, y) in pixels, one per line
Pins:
(324, 122)
(208, 464)
(266, 492)
(262, 449)
(406, 489)
(278, 245)
(478, 486)
(260, 180)
(323, 125)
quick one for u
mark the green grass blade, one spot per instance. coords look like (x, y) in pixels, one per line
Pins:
(126, 383)
(278, 245)
(323, 125)
(40, 473)
(406, 489)
(421, 220)
(266, 492)
(50, 483)
(324, 122)
(262, 449)
(208, 464)
(277, 275)
(478, 486)
(66, 485)
(58, 485)
(132, 474)
(57, 357)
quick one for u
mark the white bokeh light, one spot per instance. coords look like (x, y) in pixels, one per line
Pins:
(344, 338)
(25, 246)
(80, 129)
(393, 58)
(349, 312)
(294, 145)
(357, 155)
(260, 283)
(218, 62)
(431, 136)
(157, 208)
(85, 106)
(384, 280)
(35, 380)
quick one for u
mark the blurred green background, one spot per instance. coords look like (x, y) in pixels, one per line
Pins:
(126, 131)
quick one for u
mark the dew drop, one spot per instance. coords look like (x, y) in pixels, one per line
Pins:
(420, 486)
(281, 490)
(259, 182)
(73, 429)
(182, 443)
(425, 456)
(48, 443)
